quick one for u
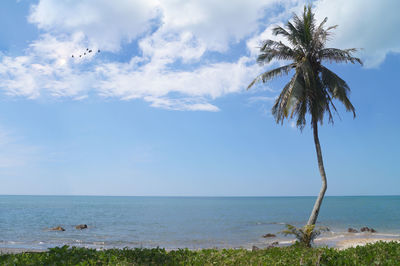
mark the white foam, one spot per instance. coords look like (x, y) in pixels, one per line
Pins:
(286, 242)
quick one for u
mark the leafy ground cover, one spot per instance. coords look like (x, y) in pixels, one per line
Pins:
(380, 253)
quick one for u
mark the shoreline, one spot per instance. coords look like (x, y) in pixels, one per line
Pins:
(340, 244)
(4, 251)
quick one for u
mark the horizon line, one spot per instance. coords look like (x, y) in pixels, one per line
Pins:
(198, 196)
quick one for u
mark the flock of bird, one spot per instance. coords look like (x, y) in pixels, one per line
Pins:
(86, 52)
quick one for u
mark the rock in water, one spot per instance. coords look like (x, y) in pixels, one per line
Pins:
(352, 230)
(81, 226)
(269, 235)
(58, 228)
(367, 229)
(324, 229)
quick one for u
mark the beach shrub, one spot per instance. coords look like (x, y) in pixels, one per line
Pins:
(380, 253)
(305, 235)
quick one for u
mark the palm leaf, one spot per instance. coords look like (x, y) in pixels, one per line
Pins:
(337, 87)
(268, 54)
(339, 56)
(272, 74)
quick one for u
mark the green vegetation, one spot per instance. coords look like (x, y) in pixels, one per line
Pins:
(313, 87)
(373, 254)
(306, 235)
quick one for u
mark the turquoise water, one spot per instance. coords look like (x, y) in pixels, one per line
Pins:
(182, 222)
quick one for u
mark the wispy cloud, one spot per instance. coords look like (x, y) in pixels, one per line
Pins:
(255, 99)
(13, 152)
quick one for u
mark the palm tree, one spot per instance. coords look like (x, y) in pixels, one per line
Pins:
(313, 87)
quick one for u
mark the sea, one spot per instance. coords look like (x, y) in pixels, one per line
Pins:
(185, 222)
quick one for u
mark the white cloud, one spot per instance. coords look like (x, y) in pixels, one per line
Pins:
(186, 31)
(166, 49)
(154, 83)
(105, 23)
(47, 69)
(216, 23)
(172, 33)
(371, 25)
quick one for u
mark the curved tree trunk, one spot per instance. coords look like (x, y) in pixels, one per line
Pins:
(318, 202)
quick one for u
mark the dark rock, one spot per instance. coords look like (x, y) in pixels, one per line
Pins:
(324, 229)
(352, 230)
(269, 235)
(58, 228)
(81, 226)
(254, 248)
(367, 229)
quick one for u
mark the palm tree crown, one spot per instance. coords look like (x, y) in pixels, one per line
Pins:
(313, 86)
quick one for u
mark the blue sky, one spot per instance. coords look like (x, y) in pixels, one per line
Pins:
(163, 109)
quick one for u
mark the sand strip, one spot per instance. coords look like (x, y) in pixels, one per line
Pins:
(18, 250)
(349, 243)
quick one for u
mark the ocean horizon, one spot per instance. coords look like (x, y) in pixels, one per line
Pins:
(194, 196)
(194, 222)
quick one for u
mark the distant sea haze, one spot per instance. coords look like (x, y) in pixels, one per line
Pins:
(183, 222)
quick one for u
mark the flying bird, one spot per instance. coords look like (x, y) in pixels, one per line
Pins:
(86, 52)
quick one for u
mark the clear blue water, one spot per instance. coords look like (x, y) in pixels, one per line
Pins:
(181, 222)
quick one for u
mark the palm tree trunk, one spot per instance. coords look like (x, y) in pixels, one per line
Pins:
(318, 202)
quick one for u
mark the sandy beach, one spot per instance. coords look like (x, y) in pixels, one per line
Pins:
(348, 240)
(349, 243)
